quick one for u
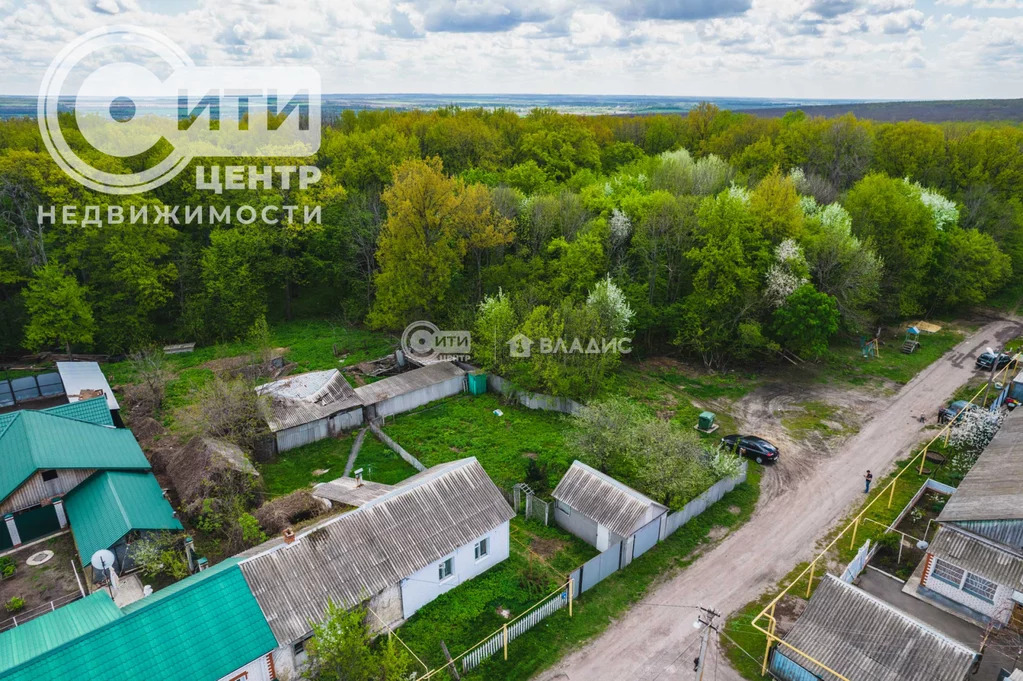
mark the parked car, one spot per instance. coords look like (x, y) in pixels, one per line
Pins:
(1001, 361)
(946, 414)
(752, 447)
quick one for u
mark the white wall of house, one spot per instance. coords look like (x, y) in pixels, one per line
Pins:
(307, 433)
(257, 670)
(346, 420)
(584, 527)
(425, 585)
(998, 611)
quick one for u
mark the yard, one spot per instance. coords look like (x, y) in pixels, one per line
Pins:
(37, 585)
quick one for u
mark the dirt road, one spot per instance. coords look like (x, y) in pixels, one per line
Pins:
(657, 642)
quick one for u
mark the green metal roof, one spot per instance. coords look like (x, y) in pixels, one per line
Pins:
(38, 440)
(203, 627)
(110, 504)
(43, 634)
(93, 410)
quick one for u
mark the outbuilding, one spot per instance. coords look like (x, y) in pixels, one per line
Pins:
(411, 389)
(601, 510)
(309, 407)
(84, 381)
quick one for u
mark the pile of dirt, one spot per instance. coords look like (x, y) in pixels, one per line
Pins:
(274, 516)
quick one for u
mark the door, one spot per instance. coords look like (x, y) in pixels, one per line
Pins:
(5, 536)
(37, 522)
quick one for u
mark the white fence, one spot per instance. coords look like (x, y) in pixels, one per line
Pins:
(673, 521)
(532, 400)
(853, 570)
(510, 632)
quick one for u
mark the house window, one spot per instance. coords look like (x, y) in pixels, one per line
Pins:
(49, 475)
(948, 573)
(980, 587)
(447, 566)
(482, 548)
(298, 650)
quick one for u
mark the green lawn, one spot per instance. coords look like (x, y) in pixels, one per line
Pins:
(380, 464)
(559, 634)
(845, 361)
(294, 468)
(465, 425)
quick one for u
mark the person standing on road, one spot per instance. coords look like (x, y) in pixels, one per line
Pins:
(867, 479)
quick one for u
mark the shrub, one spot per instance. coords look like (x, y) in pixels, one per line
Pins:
(15, 604)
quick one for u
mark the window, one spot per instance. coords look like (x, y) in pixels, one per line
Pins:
(49, 475)
(482, 548)
(447, 566)
(298, 650)
(980, 587)
(564, 508)
(948, 573)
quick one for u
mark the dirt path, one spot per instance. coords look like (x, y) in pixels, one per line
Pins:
(656, 642)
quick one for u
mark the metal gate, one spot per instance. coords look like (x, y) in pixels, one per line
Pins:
(596, 569)
(646, 537)
(5, 536)
(37, 522)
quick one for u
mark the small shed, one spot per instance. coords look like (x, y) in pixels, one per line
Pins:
(310, 407)
(85, 380)
(599, 509)
(406, 391)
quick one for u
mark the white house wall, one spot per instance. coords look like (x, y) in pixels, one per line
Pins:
(576, 523)
(257, 670)
(423, 586)
(998, 611)
(417, 398)
(307, 433)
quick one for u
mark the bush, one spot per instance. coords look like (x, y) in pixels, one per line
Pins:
(16, 604)
(7, 567)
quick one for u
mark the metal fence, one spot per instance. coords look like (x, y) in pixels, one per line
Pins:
(509, 632)
(712, 495)
(526, 502)
(532, 400)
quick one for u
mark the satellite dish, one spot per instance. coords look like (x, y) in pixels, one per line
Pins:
(922, 545)
(103, 559)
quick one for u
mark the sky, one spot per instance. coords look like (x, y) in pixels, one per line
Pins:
(858, 49)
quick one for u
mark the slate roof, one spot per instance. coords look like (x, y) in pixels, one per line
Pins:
(354, 556)
(992, 489)
(865, 639)
(348, 491)
(304, 398)
(407, 382)
(980, 556)
(79, 376)
(609, 502)
(110, 504)
(39, 440)
(203, 627)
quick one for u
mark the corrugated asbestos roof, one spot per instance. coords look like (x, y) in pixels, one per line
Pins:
(38, 440)
(348, 491)
(600, 497)
(352, 557)
(866, 639)
(79, 376)
(301, 399)
(407, 382)
(992, 489)
(978, 556)
(110, 504)
(1016, 675)
(203, 627)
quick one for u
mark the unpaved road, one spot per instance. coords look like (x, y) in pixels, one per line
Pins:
(656, 642)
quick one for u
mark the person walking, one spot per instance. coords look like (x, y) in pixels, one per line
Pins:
(868, 478)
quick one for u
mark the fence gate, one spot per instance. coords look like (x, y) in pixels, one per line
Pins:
(646, 537)
(37, 522)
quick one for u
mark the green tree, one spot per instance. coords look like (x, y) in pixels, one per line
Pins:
(58, 310)
(340, 647)
(967, 268)
(775, 205)
(806, 321)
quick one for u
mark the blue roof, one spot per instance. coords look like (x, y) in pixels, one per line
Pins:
(203, 627)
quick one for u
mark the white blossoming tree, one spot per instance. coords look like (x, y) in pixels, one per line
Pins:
(621, 227)
(612, 308)
(786, 274)
(944, 210)
(970, 434)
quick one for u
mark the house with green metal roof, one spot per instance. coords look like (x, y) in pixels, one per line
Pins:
(49, 454)
(207, 627)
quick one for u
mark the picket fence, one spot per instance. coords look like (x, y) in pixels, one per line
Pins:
(500, 640)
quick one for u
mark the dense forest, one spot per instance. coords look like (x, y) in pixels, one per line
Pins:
(721, 236)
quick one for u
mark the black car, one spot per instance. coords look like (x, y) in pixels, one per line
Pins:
(1001, 360)
(752, 447)
(946, 414)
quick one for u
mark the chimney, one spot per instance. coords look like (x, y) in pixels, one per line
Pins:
(358, 477)
(289, 535)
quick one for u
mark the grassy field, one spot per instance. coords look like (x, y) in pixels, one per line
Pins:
(846, 362)
(380, 464)
(474, 603)
(466, 425)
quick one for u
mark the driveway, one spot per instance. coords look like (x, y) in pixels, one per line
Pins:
(656, 642)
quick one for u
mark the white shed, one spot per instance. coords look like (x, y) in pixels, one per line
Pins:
(310, 407)
(405, 392)
(85, 380)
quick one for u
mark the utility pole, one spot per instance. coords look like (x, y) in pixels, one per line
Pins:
(700, 663)
(991, 376)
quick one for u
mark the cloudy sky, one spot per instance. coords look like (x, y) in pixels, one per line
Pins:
(873, 49)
